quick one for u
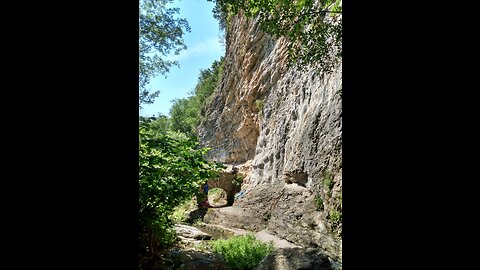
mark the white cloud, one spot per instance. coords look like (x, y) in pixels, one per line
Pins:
(209, 46)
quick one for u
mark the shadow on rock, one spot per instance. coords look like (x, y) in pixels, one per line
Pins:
(296, 259)
(197, 260)
(183, 260)
(196, 214)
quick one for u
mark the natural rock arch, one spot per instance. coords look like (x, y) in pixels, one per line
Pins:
(230, 181)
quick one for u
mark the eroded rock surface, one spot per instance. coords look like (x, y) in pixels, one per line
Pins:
(283, 128)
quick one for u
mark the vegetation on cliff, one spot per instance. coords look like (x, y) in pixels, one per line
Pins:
(185, 113)
(313, 28)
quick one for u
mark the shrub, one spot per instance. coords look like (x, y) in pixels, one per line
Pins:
(241, 252)
(171, 168)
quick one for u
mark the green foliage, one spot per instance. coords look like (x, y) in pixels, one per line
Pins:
(197, 222)
(160, 124)
(319, 203)
(237, 179)
(313, 28)
(180, 212)
(241, 252)
(185, 113)
(259, 106)
(335, 216)
(159, 35)
(220, 13)
(328, 181)
(208, 80)
(171, 169)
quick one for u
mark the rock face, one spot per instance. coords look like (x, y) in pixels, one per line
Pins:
(282, 129)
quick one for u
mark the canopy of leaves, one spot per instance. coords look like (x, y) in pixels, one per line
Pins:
(313, 28)
(171, 169)
(161, 124)
(160, 34)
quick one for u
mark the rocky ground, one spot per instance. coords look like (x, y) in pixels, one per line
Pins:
(191, 251)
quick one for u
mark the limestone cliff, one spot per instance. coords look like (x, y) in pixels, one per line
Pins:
(282, 129)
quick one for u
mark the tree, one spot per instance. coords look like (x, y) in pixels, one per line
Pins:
(160, 34)
(313, 28)
(185, 113)
(171, 169)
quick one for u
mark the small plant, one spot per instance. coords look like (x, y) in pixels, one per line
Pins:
(241, 252)
(335, 216)
(198, 222)
(238, 179)
(319, 203)
(259, 106)
(328, 180)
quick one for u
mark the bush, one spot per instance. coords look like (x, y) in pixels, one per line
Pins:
(171, 168)
(241, 252)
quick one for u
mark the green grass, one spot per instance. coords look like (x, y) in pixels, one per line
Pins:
(180, 212)
(241, 252)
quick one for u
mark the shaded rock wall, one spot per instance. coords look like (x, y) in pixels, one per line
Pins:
(283, 128)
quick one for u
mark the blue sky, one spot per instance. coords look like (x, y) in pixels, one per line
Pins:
(204, 47)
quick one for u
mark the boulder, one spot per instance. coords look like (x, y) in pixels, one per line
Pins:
(297, 259)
